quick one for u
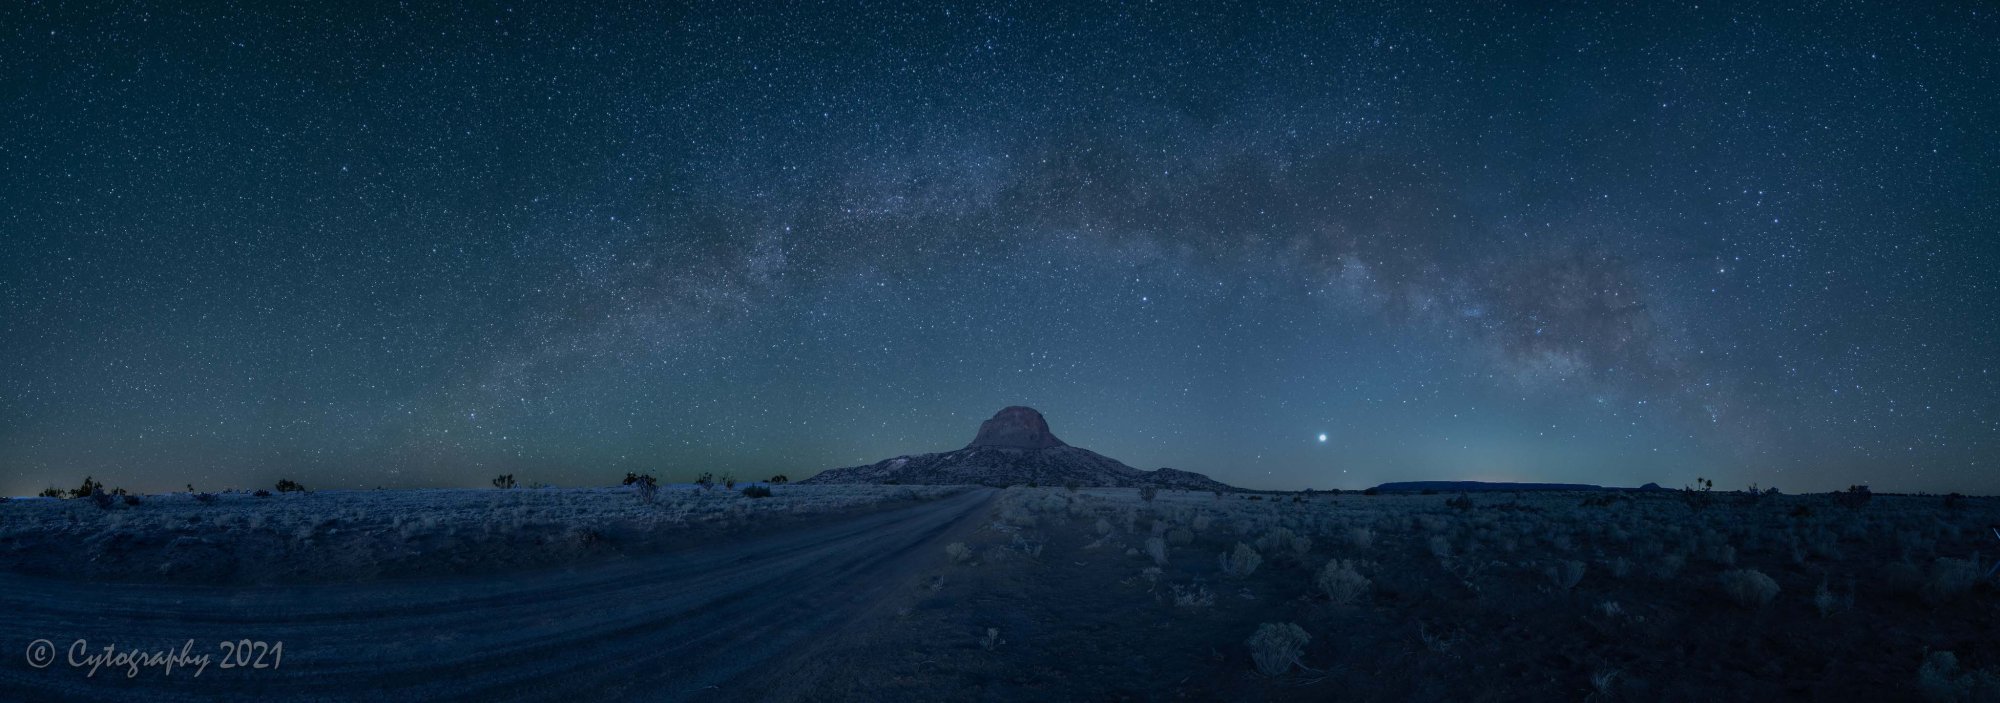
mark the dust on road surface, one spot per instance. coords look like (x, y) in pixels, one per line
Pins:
(704, 623)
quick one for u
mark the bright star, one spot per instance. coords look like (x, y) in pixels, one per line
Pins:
(1322, 436)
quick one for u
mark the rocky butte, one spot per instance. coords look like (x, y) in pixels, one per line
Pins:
(1016, 447)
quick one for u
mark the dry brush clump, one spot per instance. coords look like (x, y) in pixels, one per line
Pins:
(1240, 562)
(1276, 647)
(1940, 680)
(1194, 595)
(1749, 588)
(1566, 575)
(1341, 581)
(1950, 579)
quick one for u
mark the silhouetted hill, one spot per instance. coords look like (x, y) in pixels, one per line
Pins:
(1016, 447)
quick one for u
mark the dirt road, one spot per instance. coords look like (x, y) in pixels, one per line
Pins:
(699, 624)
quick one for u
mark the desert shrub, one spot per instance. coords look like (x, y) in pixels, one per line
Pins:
(1954, 501)
(1910, 542)
(1603, 685)
(1462, 502)
(261, 493)
(1607, 499)
(1157, 549)
(286, 485)
(102, 500)
(89, 488)
(1018, 515)
(1276, 647)
(1749, 588)
(1440, 547)
(1179, 537)
(1950, 579)
(756, 491)
(1192, 596)
(1071, 485)
(52, 492)
(1753, 496)
(779, 479)
(1565, 575)
(131, 499)
(729, 481)
(1360, 537)
(1341, 582)
(1667, 566)
(1698, 496)
(1559, 540)
(958, 552)
(1940, 680)
(1103, 526)
(1620, 567)
(1277, 540)
(503, 481)
(646, 488)
(992, 639)
(1241, 562)
(1720, 553)
(1053, 503)
(1371, 491)
(1822, 543)
(706, 480)
(1148, 493)
(1201, 522)
(1827, 603)
(1823, 600)
(204, 498)
(1442, 641)
(1902, 578)
(1854, 498)
(586, 537)
(1027, 546)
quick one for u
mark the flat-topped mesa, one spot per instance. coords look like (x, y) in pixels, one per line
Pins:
(1016, 427)
(1015, 448)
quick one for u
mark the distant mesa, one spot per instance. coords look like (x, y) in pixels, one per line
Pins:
(1016, 426)
(1016, 447)
(1478, 486)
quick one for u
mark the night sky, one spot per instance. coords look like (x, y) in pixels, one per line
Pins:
(402, 245)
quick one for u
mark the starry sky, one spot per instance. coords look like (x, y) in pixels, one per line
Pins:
(403, 244)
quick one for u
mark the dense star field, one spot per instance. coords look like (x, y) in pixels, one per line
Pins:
(1287, 247)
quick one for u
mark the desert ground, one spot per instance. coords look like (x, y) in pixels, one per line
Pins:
(1102, 595)
(957, 593)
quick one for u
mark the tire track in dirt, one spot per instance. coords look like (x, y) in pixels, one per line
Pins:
(675, 626)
